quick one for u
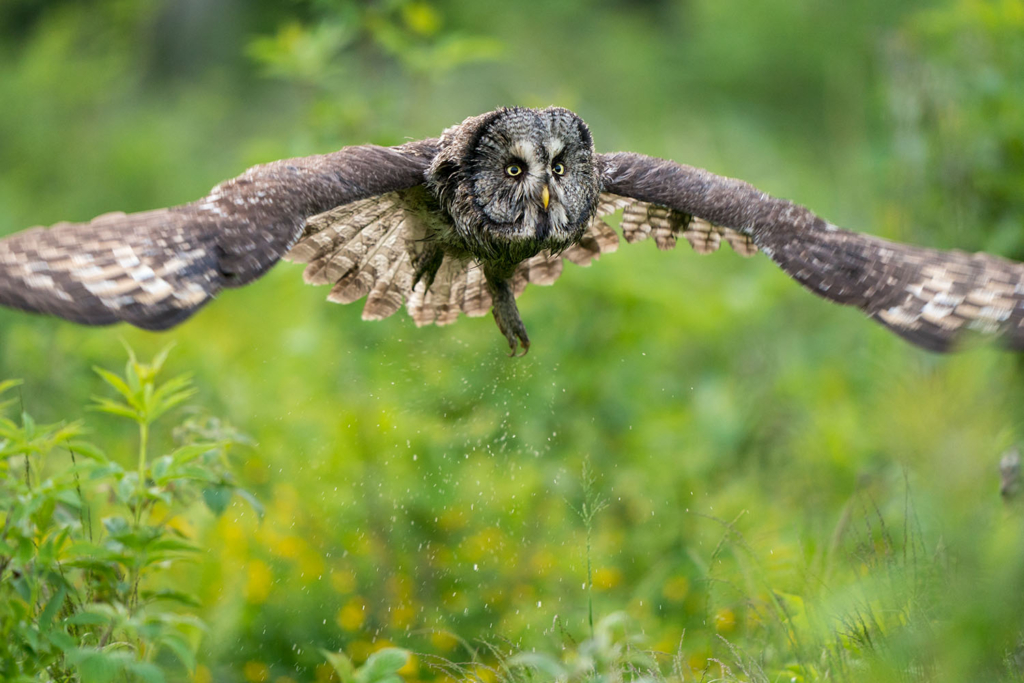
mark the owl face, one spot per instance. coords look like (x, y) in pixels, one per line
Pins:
(525, 181)
(533, 175)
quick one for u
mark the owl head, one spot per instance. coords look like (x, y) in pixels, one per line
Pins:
(517, 181)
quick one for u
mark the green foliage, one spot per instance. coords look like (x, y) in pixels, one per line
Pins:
(86, 545)
(380, 667)
(407, 30)
(415, 480)
(611, 654)
(957, 104)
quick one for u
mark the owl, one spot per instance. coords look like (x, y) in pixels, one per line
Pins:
(464, 222)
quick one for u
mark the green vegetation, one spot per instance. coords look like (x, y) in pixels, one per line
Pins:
(790, 493)
(86, 545)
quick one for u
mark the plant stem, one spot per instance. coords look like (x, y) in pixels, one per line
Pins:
(590, 585)
(143, 442)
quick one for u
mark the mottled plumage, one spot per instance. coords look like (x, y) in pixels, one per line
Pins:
(462, 223)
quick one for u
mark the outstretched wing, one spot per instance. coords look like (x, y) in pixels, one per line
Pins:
(930, 297)
(156, 268)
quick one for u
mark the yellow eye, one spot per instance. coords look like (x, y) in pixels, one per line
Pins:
(513, 170)
(558, 169)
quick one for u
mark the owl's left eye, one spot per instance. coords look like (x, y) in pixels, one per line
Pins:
(558, 169)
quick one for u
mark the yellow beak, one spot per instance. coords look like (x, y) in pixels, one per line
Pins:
(545, 197)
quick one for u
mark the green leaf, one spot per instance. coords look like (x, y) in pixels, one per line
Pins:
(118, 384)
(198, 473)
(69, 497)
(87, 450)
(171, 386)
(127, 488)
(160, 467)
(160, 358)
(188, 453)
(88, 619)
(131, 370)
(217, 498)
(62, 641)
(51, 609)
(179, 597)
(341, 664)
(116, 525)
(95, 666)
(87, 549)
(252, 500)
(110, 469)
(8, 384)
(28, 425)
(169, 543)
(146, 671)
(382, 664)
(114, 408)
(171, 401)
(181, 649)
(65, 432)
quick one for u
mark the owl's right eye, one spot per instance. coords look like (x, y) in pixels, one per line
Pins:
(513, 170)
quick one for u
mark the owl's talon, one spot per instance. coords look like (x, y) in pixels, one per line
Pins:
(516, 341)
(506, 315)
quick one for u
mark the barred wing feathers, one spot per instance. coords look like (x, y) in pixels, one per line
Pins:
(156, 268)
(930, 297)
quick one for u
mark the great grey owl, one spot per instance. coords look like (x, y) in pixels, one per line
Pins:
(463, 222)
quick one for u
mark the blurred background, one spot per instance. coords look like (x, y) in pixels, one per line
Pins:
(784, 479)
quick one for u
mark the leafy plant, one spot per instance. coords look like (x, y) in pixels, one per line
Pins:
(380, 667)
(82, 600)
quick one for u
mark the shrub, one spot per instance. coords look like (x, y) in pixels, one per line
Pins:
(86, 543)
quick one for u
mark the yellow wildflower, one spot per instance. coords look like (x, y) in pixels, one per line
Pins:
(258, 582)
(352, 615)
(607, 577)
(725, 620)
(443, 641)
(676, 589)
(343, 580)
(256, 672)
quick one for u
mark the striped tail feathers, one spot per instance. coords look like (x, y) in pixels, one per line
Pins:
(458, 286)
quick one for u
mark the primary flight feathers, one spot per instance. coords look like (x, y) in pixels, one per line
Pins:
(464, 222)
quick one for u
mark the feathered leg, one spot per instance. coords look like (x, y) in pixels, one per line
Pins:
(506, 313)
